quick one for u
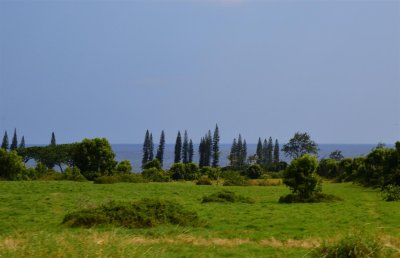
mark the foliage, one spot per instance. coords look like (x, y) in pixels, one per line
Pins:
(185, 148)
(120, 178)
(253, 171)
(185, 171)
(205, 150)
(161, 148)
(73, 174)
(155, 163)
(124, 167)
(210, 172)
(204, 180)
(139, 214)
(233, 178)
(328, 168)
(215, 147)
(94, 157)
(4, 143)
(299, 145)
(14, 142)
(155, 175)
(226, 196)
(147, 148)
(238, 154)
(178, 148)
(53, 139)
(357, 244)
(301, 176)
(336, 155)
(11, 165)
(391, 193)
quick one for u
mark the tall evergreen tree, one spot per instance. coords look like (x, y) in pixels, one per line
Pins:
(265, 152)
(161, 148)
(22, 144)
(259, 151)
(276, 152)
(4, 144)
(270, 150)
(178, 148)
(146, 151)
(239, 151)
(151, 148)
(215, 147)
(190, 151)
(232, 155)
(53, 139)
(14, 142)
(185, 148)
(201, 152)
(208, 149)
(244, 153)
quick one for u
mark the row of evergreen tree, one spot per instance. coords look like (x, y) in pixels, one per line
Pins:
(14, 143)
(267, 153)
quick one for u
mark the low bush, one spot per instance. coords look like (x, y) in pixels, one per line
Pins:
(155, 175)
(73, 174)
(357, 244)
(226, 196)
(233, 178)
(253, 171)
(126, 178)
(269, 182)
(316, 197)
(391, 193)
(204, 180)
(139, 214)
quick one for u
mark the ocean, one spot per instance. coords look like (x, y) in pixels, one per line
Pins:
(133, 152)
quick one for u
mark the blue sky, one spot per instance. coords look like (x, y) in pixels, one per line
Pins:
(260, 68)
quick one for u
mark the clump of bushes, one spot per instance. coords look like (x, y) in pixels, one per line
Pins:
(139, 214)
(253, 171)
(226, 196)
(391, 193)
(356, 244)
(184, 171)
(233, 178)
(155, 175)
(316, 197)
(126, 177)
(204, 180)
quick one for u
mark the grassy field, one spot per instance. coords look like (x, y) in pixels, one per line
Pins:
(31, 215)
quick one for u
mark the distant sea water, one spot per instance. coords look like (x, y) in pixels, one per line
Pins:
(133, 152)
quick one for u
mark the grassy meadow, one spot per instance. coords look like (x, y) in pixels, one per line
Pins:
(31, 213)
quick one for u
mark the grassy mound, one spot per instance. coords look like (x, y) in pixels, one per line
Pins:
(354, 245)
(226, 196)
(140, 214)
(316, 197)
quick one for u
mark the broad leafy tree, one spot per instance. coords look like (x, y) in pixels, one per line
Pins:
(11, 165)
(336, 155)
(300, 145)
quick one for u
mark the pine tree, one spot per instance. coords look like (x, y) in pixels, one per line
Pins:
(185, 148)
(178, 148)
(259, 151)
(276, 152)
(215, 147)
(270, 150)
(161, 148)
(208, 149)
(190, 151)
(22, 144)
(4, 144)
(146, 144)
(201, 152)
(265, 152)
(151, 148)
(53, 139)
(239, 151)
(232, 155)
(14, 142)
(244, 153)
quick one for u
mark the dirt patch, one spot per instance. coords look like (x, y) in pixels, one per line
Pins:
(10, 243)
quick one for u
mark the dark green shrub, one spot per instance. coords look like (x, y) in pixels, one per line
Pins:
(124, 167)
(328, 168)
(316, 197)
(123, 178)
(139, 214)
(106, 180)
(73, 174)
(391, 193)
(11, 165)
(253, 172)
(355, 245)
(226, 196)
(155, 163)
(210, 172)
(184, 171)
(155, 175)
(233, 178)
(204, 180)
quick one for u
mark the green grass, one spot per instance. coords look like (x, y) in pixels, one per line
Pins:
(31, 214)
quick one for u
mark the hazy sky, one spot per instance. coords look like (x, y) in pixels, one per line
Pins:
(261, 68)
